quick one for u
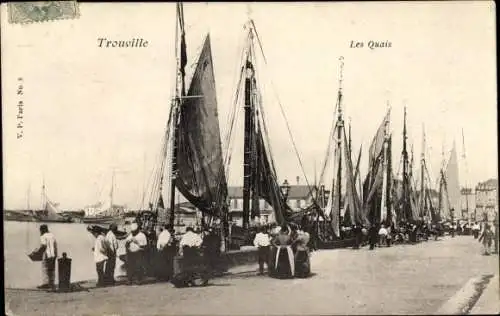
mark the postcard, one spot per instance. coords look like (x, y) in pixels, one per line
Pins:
(250, 158)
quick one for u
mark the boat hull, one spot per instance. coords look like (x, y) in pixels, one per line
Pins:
(99, 220)
(17, 217)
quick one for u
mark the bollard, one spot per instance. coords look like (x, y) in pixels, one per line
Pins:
(64, 265)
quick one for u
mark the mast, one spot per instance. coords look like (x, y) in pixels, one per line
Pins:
(339, 137)
(422, 174)
(466, 176)
(405, 171)
(43, 197)
(176, 103)
(383, 202)
(249, 130)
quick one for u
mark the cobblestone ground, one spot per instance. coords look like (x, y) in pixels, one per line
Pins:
(404, 279)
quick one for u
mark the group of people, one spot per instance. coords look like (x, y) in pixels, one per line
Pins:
(152, 254)
(284, 250)
(105, 253)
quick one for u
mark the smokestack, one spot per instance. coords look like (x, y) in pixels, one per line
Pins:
(298, 180)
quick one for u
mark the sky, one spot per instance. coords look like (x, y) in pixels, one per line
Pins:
(88, 109)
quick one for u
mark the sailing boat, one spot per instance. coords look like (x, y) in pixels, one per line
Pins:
(191, 143)
(377, 199)
(426, 209)
(259, 172)
(50, 212)
(343, 173)
(194, 148)
(405, 205)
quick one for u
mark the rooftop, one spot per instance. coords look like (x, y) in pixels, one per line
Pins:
(491, 183)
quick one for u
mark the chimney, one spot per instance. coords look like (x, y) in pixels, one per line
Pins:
(298, 180)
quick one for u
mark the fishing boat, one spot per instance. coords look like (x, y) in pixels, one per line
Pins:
(377, 186)
(50, 212)
(404, 197)
(192, 147)
(343, 209)
(425, 202)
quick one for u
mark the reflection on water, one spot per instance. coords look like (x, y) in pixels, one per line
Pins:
(20, 238)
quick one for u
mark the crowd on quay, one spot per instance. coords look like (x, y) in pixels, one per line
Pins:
(284, 249)
(152, 254)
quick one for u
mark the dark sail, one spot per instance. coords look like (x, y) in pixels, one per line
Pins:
(268, 187)
(200, 168)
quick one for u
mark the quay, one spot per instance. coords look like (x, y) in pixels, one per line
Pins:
(402, 279)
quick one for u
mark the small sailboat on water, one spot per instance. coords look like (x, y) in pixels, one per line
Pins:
(50, 212)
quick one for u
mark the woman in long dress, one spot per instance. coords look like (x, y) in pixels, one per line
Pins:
(302, 261)
(284, 264)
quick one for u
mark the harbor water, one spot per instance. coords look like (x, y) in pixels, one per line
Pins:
(20, 238)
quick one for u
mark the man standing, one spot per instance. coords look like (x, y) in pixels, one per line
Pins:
(48, 246)
(135, 245)
(190, 243)
(112, 249)
(100, 254)
(373, 236)
(382, 235)
(211, 249)
(262, 242)
(165, 256)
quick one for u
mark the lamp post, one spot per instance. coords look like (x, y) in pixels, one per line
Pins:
(285, 189)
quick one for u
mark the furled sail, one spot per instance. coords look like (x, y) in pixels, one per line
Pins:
(200, 176)
(355, 211)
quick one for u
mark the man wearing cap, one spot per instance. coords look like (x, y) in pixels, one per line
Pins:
(100, 254)
(112, 249)
(135, 245)
(48, 246)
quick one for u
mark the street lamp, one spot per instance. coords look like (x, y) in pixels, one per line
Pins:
(285, 189)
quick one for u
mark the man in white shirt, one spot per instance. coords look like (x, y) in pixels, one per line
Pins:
(135, 245)
(112, 250)
(382, 233)
(262, 242)
(165, 254)
(48, 245)
(190, 243)
(100, 254)
(163, 239)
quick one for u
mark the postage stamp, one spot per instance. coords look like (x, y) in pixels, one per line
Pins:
(42, 11)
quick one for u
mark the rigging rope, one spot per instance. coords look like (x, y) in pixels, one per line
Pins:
(283, 113)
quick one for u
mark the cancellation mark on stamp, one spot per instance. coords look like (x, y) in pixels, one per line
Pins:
(42, 11)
